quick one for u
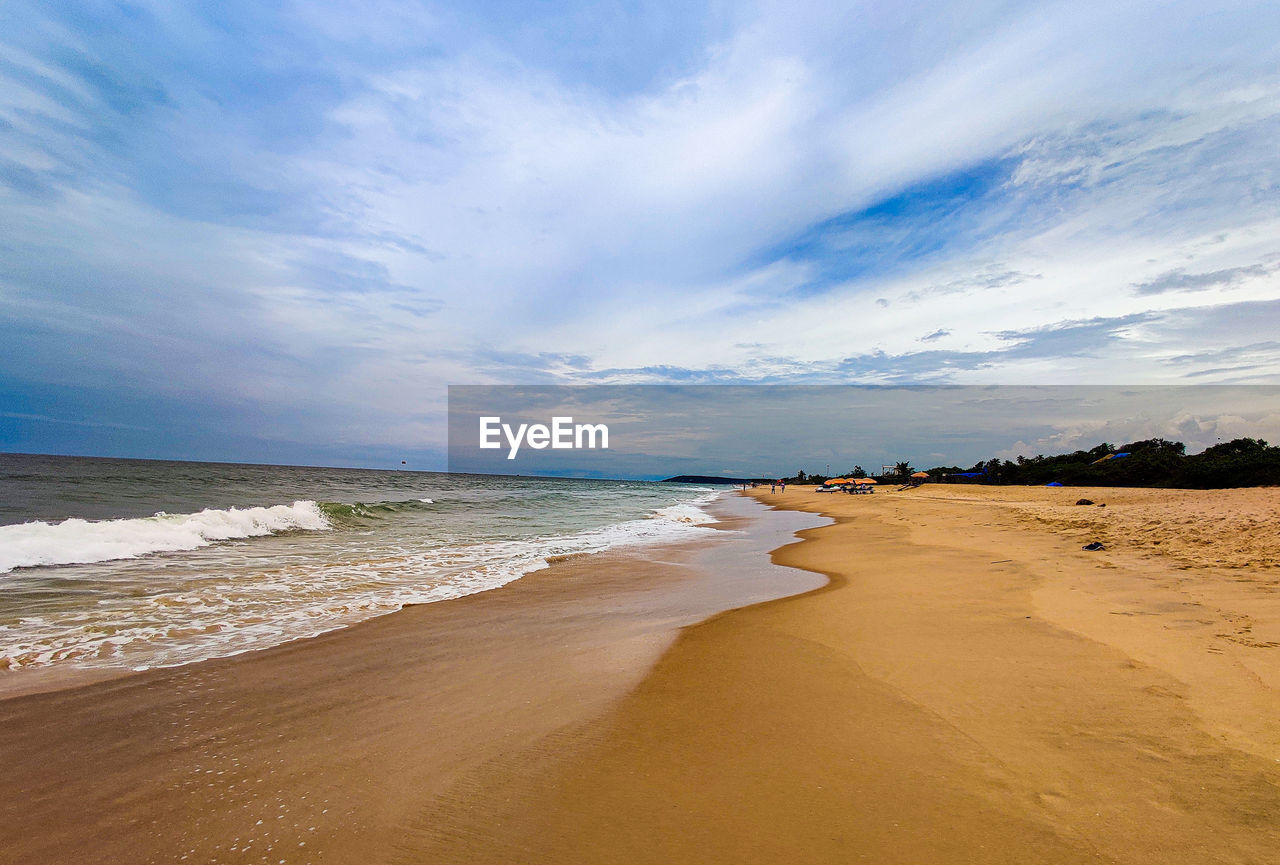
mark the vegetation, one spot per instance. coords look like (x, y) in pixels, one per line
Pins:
(801, 477)
(1151, 463)
(1243, 462)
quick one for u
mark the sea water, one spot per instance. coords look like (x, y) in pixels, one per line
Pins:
(135, 564)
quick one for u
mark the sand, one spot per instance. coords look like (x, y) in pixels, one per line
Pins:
(970, 687)
(325, 750)
(967, 685)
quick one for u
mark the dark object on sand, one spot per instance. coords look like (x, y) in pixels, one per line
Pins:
(1103, 505)
(1084, 501)
(1093, 546)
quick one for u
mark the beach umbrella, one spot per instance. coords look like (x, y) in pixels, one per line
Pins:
(864, 480)
(835, 481)
(920, 475)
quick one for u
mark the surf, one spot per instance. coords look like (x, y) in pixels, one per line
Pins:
(77, 541)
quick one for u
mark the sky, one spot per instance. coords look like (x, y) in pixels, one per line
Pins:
(277, 232)
(735, 431)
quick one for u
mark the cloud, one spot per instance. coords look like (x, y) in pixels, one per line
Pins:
(989, 278)
(1103, 350)
(1181, 280)
(1233, 353)
(673, 428)
(309, 220)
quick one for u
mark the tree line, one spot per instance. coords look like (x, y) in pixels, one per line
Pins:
(1242, 462)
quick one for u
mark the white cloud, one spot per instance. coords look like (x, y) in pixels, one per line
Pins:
(512, 212)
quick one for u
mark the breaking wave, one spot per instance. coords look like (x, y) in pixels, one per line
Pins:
(342, 513)
(76, 541)
(202, 614)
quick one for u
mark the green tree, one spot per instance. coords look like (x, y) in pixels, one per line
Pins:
(1160, 446)
(1236, 447)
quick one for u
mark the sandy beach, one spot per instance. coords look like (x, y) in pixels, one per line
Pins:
(328, 749)
(956, 681)
(390, 395)
(971, 686)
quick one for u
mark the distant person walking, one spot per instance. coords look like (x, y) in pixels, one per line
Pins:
(773, 488)
(783, 484)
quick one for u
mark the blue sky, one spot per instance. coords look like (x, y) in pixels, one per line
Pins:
(277, 232)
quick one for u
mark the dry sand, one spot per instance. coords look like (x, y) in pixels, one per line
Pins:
(968, 687)
(971, 687)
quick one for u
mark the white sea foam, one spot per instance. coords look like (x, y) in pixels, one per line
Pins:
(690, 514)
(244, 611)
(78, 541)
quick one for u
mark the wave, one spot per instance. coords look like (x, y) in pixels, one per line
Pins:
(342, 513)
(246, 610)
(690, 514)
(671, 523)
(76, 541)
(79, 542)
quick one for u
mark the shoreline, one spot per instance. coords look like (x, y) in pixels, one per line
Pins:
(24, 681)
(954, 681)
(350, 731)
(931, 704)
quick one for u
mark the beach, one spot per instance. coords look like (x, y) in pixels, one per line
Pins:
(422, 429)
(327, 749)
(942, 675)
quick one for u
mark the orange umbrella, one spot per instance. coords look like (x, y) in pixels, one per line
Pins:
(920, 475)
(864, 480)
(836, 481)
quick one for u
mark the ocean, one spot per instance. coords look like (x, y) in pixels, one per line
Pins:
(133, 564)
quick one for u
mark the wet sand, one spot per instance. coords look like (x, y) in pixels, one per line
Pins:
(963, 684)
(970, 687)
(324, 750)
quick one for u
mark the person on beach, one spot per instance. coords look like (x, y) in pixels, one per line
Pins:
(773, 488)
